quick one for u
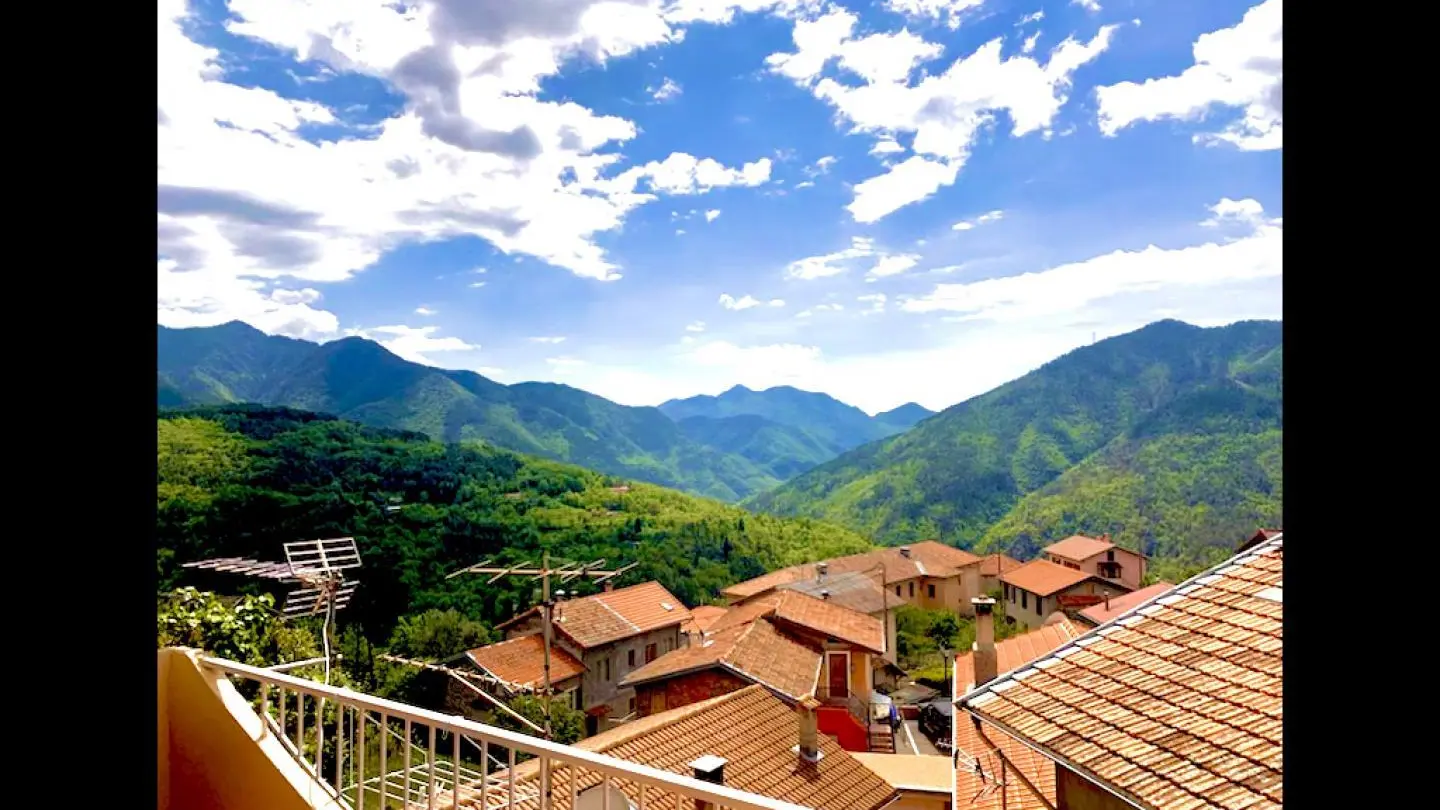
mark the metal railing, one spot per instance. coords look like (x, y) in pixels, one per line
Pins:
(367, 751)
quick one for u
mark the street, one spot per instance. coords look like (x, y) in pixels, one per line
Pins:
(911, 741)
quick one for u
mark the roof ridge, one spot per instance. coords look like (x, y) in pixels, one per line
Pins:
(637, 729)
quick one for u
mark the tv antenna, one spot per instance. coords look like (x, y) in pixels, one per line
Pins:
(565, 572)
(317, 566)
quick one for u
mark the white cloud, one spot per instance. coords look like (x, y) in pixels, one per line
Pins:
(830, 264)
(886, 146)
(1245, 212)
(1029, 45)
(245, 198)
(475, 285)
(697, 326)
(712, 214)
(968, 224)
(776, 302)
(821, 166)
(725, 11)
(945, 111)
(550, 339)
(1032, 17)
(951, 11)
(773, 362)
(667, 90)
(1091, 6)
(413, 343)
(1239, 67)
(876, 302)
(893, 265)
(489, 371)
(424, 311)
(730, 302)
(1254, 255)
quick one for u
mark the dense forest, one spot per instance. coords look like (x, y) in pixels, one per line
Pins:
(241, 480)
(1167, 438)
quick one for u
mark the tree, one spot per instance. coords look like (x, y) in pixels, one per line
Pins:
(567, 725)
(247, 631)
(436, 635)
(944, 631)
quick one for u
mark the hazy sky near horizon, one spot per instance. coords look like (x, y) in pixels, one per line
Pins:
(887, 200)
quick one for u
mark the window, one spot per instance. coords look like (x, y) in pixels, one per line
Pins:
(912, 590)
(897, 590)
(1023, 602)
(1110, 555)
(1009, 594)
(657, 702)
(632, 705)
(605, 669)
(930, 591)
(1040, 605)
(649, 653)
(631, 659)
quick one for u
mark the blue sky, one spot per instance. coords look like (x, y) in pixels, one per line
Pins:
(889, 201)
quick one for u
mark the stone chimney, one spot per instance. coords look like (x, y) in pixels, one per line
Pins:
(905, 552)
(824, 594)
(708, 768)
(821, 569)
(983, 657)
(609, 586)
(809, 747)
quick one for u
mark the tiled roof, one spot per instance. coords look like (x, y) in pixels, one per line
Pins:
(756, 652)
(1078, 547)
(982, 780)
(1177, 704)
(809, 613)
(1017, 651)
(927, 558)
(702, 617)
(993, 565)
(856, 591)
(915, 772)
(753, 730)
(602, 618)
(1099, 614)
(1042, 577)
(520, 662)
(1257, 538)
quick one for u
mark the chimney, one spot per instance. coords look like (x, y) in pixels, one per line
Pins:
(809, 747)
(708, 768)
(1107, 600)
(824, 594)
(821, 569)
(905, 552)
(983, 658)
(609, 586)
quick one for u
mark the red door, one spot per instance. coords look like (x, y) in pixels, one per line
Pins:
(839, 675)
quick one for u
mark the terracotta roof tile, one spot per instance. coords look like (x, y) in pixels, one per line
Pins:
(602, 618)
(755, 651)
(753, 730)
(520, 662)
(915, 772)
(856, 590)
(1017, 651)
(1078, 547)
(1175, 705)
(1099, 614)
(927, 558)
(702, 617)
(809, 613)
(994, 565)
(980, 780)
(1042, 578)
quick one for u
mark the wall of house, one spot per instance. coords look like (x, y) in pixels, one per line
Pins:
(1075, 792)
(463, 701)
(891, 639)
(916, 800)
(952, 593)
(1132, 566)
(598, 689)
(694, 687)
(1032, 612)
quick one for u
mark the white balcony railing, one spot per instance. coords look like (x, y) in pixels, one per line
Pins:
(371, 752)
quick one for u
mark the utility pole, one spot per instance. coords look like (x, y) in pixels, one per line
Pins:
(566, 572)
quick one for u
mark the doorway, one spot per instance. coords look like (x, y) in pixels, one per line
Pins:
(839, 675)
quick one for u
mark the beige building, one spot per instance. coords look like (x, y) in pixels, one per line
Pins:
(1040, 588)
(611, 634)
(1098, 557)
(922, 782)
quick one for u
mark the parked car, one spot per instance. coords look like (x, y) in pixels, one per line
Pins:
(935, 719)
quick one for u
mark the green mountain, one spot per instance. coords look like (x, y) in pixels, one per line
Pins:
(1167, 437)
(779, 450)
(830, 422)
(240, 480)
(359, 379)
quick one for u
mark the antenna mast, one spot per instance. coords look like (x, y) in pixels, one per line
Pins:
(566, 572)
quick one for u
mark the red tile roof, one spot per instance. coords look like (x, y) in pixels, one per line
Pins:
(1101, 613)
(520, 662)
(603, 618)
(809, 613)
(1078, 547)
(751, 729)
(927, 558)
(1017, 651)
(1175, 705)
(702, 617)
(756, 652)
(982, 780)
(1042, 578)
(994, 565)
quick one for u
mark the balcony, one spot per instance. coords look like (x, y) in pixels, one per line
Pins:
(238, 737)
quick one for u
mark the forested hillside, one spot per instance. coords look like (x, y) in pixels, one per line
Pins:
(242, 480)
(826, 421)
(1167, 437)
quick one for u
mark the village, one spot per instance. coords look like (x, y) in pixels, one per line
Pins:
(1084, 687)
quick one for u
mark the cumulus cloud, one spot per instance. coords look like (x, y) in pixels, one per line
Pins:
(1253, 254)
(697, 326)
(712, 214)
(1240, 68)
(667, 90)
(730, 302)
(945, 111)
(1091, 6)
(950, 11)
(424, 311)
(413, 343)
(550, 339)
(968, 224)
